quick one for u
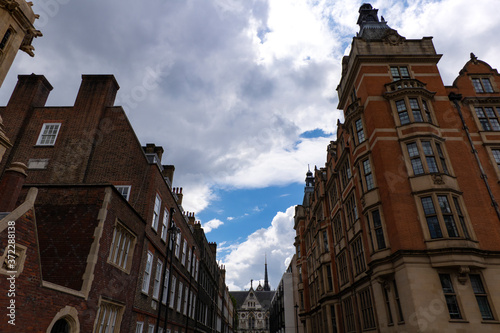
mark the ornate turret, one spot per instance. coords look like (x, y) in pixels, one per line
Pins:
(370, 26)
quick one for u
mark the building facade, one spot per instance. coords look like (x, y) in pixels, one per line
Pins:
(108, 242)
(17, 32)
(400, 230)
(284, 305)
(253, 307)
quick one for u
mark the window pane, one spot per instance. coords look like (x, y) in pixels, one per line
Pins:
(477, 85)
(487, 85)
(418, 169)
(404, 72)
(412, 149)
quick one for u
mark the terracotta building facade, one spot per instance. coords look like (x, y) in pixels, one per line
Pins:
(400, 230)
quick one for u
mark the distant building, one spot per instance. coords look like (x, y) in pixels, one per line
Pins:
(284, 305)
(400, 230)
(253, 307)
(103, 242)
(16, 32)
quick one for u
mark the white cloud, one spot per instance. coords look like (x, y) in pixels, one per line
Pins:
(211, 225)
(245, 261)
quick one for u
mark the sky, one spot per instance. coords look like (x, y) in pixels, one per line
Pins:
(240, 94)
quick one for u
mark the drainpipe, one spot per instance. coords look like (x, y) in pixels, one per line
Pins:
(455, 98)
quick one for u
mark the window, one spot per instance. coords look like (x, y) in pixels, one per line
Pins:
(5, 38)
(139, 327)
(151, 328)
(164, 230)
(342, 268)
(329, 277)
(481, 296)
(165, 286)
(445, 218)
(410, 110)
(367, 172)
(122, 247)
(147, 273)
(184, 248)
(358, 255)
(423, 159)
(450, 296)
(351, 210)
(48, 134)
(298, 251)
(387, 306)
(354, 96)
(156, 285)
(186, 296)
(349, 315)
(124, 190)
(496, 156)
(375, 229)
(398, 302)
(189, 261)
(108, 317)
(333, 194)
(178, 245)
(172, 292)
(366, 307)
(156, 213)
(482, 85)
(325, 241)
(360, 135)
(399, 72)
(488, 117)
(179, 297)
(337, 228)
(345, 173)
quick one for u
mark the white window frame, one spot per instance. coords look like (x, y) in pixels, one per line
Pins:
(156, 284)
(178, 245)
(172, 292)
(179, 297)
(124, 190)
(189, 261)
(184, 248)
(151, 328)
(139, 328)
(165, 286)
(164, 229)
(186, 297)
(156, 213)
(122, 247)
(147, 273)
(42, 136)
(109, 317)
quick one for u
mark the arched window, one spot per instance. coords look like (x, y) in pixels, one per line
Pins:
(61, 326)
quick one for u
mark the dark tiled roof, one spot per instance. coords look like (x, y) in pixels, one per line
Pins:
(264, 297)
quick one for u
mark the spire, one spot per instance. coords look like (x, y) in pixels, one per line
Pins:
(266, 280)
(309, 181)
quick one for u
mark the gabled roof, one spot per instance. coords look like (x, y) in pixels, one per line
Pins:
(263, 297)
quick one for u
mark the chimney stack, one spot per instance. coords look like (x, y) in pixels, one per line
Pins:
(11, 185)
(168, 172)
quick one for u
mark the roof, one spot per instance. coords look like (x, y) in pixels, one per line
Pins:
(264, 297)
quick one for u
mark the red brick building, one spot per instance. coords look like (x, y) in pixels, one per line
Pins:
(400, 230)
(95, 237)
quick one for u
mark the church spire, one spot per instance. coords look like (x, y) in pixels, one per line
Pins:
(266, 280)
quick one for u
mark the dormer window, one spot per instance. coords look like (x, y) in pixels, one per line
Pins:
(482, 85)
(399, 73)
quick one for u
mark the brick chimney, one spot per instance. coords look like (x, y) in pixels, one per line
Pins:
(11, 185)
(151, 148)
(178, 192)
(30, 92)
(168, 172)
(96, 91)
(213, 248)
